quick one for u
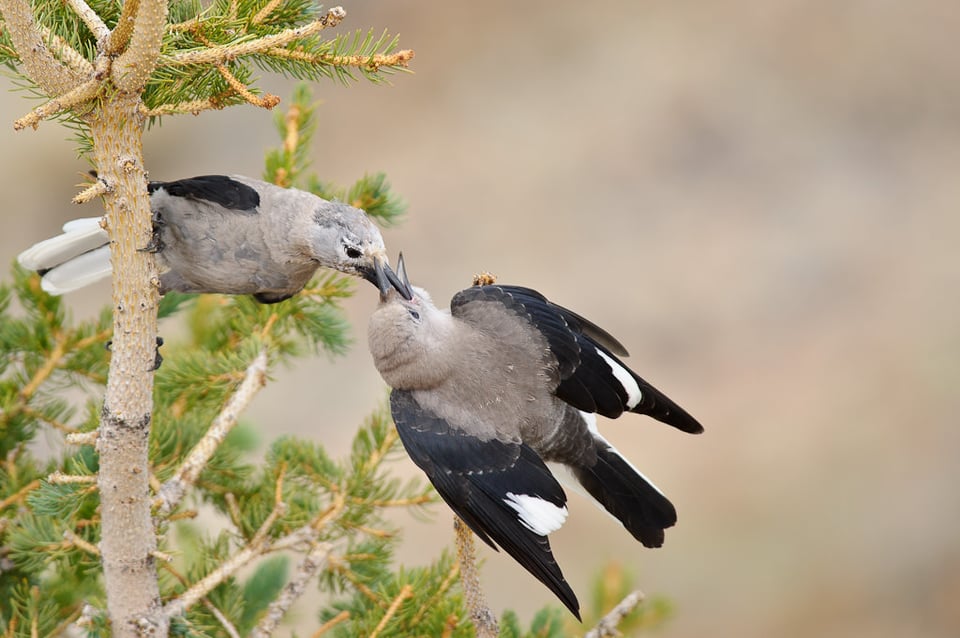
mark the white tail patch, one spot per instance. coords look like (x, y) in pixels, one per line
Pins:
(626, 380)
(79, 236)
(538, 515)
(78, 272)
(591, 420)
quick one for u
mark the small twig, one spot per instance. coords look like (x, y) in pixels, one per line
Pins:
(90, 18)
(179, 605)
(483, 618)
(79, 543)
(370, 62)
(91, 192)
(441, 590)
(53, 360)
(66, 53)
(396, 502)
(20, 494)
(315, 559)
(87, 614)
(337, 566)
(405, 592)
(233, 508)
(449, 625)
(607, 627)
(330, 624)
(291, 139)
(268, 101)
(59, 478)
(193, 106)
(173, 490)
(57, 425)
(83, 93)
(82, 438)
(223, 53)
(279, 509)
(222, 619)
(120, 36)
(265, 12)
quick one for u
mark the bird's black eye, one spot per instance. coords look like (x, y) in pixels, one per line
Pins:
(414, 314)
(354, 253)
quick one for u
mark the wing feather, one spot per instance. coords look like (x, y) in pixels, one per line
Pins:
(476, 477)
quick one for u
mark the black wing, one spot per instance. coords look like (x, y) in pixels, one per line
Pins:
(592, 378)
(475, 477)
(218, 189)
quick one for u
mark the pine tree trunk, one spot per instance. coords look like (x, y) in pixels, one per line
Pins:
(128, 539)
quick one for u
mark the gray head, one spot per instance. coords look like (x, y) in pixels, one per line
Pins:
(409, 337)
(344, 238)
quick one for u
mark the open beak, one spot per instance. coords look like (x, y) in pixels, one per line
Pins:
(387, 279)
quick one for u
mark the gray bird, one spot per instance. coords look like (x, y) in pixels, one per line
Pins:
(231, 235)
(489, 393)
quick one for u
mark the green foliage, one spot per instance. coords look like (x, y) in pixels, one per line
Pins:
(343, 57)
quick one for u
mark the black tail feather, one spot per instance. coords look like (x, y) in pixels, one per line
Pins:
(627, 495)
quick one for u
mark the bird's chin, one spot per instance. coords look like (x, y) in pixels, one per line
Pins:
(368, 273)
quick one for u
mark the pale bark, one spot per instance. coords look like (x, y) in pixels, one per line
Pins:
(128, 537)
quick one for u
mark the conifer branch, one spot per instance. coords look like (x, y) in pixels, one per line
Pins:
(69, 100)
(265, 12)
(59, 478)
(268, 101)
(179, 605)
(53, 360)
(20, 494)
(405, 592)
(222, 619)
(207, 603)
(120, 36)
(607, 627)
(173, 490)
(41, 65)
(133, 67)
(90, 18)
(66, 53)
(437, 595)
(194, 107)
(330, 624)
(224, 53)
(449, 625)
(337, 566)
(397, 502)
(73, 540)
(57, 425)
(313, 562)
(367, 62)
(279, 509)
(483, 618)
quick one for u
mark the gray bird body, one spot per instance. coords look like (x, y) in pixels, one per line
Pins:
(487, 394)
(229, 235)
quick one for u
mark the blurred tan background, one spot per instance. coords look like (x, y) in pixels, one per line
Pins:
(760, 199)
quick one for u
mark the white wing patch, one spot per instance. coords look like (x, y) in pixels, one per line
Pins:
(626, 380)
(536, 514)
